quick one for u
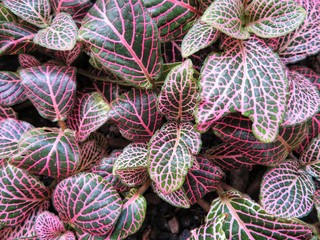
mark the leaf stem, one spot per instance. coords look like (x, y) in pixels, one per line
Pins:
(293, 157)
(204, 204)
(226, 187)
(62, 125)
(144, 187)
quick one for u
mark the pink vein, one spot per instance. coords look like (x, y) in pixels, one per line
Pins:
(187, 6)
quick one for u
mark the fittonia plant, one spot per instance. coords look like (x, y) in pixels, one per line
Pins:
(160, 73)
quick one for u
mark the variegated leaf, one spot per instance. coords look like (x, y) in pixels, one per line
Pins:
(10, 133)
(231, 81)
(7, 112)
(51, 89)
(245, 219)
(198, 37)
(133, 53)
(178, 97)
(48, 151)
(287, 191)
(316, 200)
(28, 61)
(170, 155)
(225, 15)
(273, 18)
(35, 12)
(20, 194)
(311, 158)
(109, 91)
(131, 165)
(74, 197)
(136, 114)
(6, 15)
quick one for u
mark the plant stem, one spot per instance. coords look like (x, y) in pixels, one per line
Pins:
(62, 125)
(225, 186)
(144, 187)
(204, 204)
(245, 4)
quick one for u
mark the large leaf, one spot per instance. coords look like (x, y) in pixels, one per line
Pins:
(20, 195)
(287, 191)
(136, 114)
(28, 61)
(245, 219)
(178, 97)
(232, 81)
(6, 15)
(311, 158)
(170, 155)
(88, 202)
(273, 18)
(124, 38)
(34, 12)
(48, 151)
(60, 35)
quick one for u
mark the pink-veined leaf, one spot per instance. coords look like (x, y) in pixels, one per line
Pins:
(173, 18)
(178, 198)
(136, 114)
(236, 131)
(74, 197)
(102, 141)
(131, 165)
(132, 216)
(308, 73)
(287, 191)
(225, 15)
(232, 81)
(28, 61)
(6, 15)
(273, 18)
(82, 235)
(48, 151)
(311, 158)
(316, 200)
(20, 195)
(171, 52)
(11, 91)
(60, 35)
(35, 12)
(178, 97)
(245, 219)
(109, 91)
(204, 4)
(111, 31)
(51, 89)
(7, 112)
(200, 36)
(171, 151)
(68, 57)
(202, 180)
(69, 6)
(89, 113)
(10, 133)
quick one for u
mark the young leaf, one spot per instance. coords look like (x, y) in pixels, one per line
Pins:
(232, 81)
(170, 155)
(273, 18)
(20, 195)
(28, 61)
(136, 114)
(74, 197)
(7, 112)
(6, 15)
(311, 158)
(110, 30)
(245, 219)
(48, 151)
(287, 191)
(51, 89)
(60, 35)
(178, 97)
(35, 12)
(226, 15)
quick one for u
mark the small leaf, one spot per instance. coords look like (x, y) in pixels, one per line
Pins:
(68, 57)
(28, 61)
(311, 158)
(287, 191)
(60, 35)
(7, 112)
(73, 198)
(51, 89)
(6, 15)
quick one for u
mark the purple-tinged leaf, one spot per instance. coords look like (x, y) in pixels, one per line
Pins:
(203, 180)
(132, 215)
(48, 151)
(200, 36)
(308, 73)
(10, 133)
(204, 4)
(6, 15)
(131, 165)
(7, 112)
(60, 35)
(20, 195)
(102, 141)
(69, 6)
(273, 18)
(136, 114)
(89, 113)
(287, 191)
(74, 197)
(109, 91)
(111, 31)
(51, 89)
(34, 12)
(171, 151)
(178, 97)
(178, 198)
(231, 81)
(245, 219)
(311, 158)
(316, 200)
(225, 15)
(68, 57)
(28, 61)
(11, 91)
(173, 18)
